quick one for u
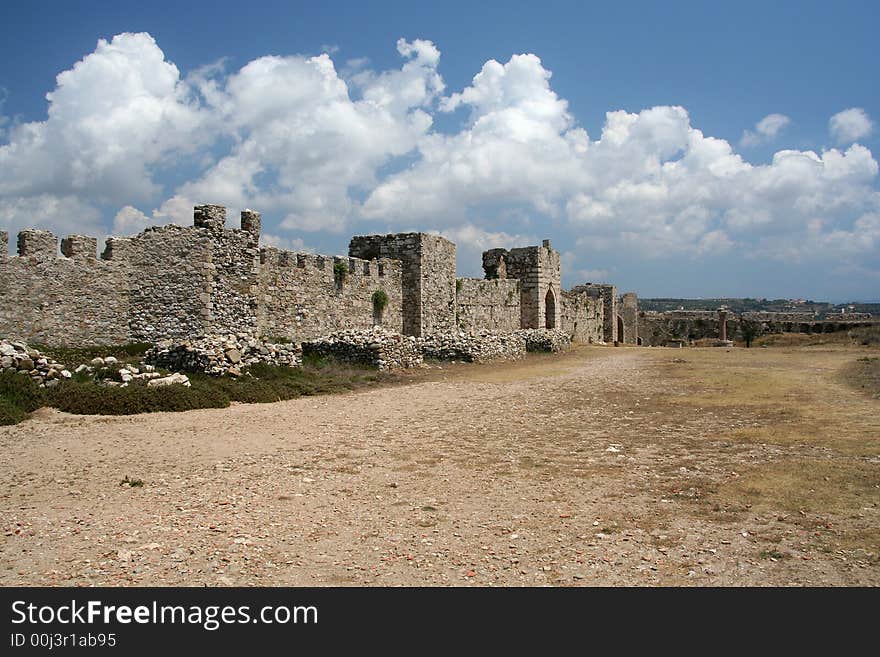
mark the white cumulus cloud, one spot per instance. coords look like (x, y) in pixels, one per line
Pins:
(765, 129)
(850, 125)
(129, 141)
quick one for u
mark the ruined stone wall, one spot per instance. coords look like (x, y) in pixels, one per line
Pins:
(488, 304)
(301, 299)
(169, 281)
(235, 269)
(582, 316)
(760, 316)
(429, 302)
(848, 317)
(660, 328)
(629, 313)
(175, 282)
(438, 301)
(60, 300)
(608, 294)
(539, 272)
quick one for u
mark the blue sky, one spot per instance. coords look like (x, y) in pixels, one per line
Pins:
(675, 149)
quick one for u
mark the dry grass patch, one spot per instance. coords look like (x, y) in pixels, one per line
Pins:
(794, 396)
(812, 486)
(863, 374)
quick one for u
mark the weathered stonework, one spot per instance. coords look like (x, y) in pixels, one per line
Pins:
(629, 315)
(608, 293)
(537, 268)
(301, 298)
(428, 276)
(488, 304)
(177, 283)
(583, 315)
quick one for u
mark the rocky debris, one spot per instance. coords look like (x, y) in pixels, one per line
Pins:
(18, 357)
(221, 354)
(377, 347)
(177, 377)
(47, 373)
(554, 340)
(479, 348)
(386, 349)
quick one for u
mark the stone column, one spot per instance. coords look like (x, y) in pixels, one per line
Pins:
(722, 324)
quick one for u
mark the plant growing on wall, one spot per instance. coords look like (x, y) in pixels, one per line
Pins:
(380, 300)
(340, 272)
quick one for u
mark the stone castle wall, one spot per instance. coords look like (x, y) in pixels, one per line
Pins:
(302, 299)
(175, 282)
(429, 299)
(44, 296)
(538, 270)
(608, 294)
(661, 328)
(582, 316)
(492, 305)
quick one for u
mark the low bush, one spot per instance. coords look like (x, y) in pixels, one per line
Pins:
(20, 391)
(92, 399)
(19, 396)
(10, 413)
(261, 384)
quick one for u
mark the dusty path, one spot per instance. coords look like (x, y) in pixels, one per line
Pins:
(566, 470)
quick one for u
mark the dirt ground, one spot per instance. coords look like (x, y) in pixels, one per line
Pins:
(603, 466)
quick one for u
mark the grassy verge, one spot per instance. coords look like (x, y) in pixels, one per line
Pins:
(865, 336)
(19, 396)
(800, 408)
(864, 374)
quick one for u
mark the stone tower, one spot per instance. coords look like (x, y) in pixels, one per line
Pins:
(538, 270)
(429, 303)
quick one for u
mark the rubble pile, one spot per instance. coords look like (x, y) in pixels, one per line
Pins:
(18, 357)
(478, 348)
(554, 340)
(221, 354)
(377, 347)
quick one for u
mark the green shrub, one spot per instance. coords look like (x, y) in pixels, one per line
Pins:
(19, 396)
(20, 391)
(380, 300)
(261, 383)
(10, 413)
(92, 399)
(340, 272)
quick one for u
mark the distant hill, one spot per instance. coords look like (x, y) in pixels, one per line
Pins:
(738, 305)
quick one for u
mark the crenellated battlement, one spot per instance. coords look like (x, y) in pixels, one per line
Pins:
(177, 282)
(38, 245)
(79, 247)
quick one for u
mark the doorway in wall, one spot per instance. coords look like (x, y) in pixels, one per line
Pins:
(550, 310)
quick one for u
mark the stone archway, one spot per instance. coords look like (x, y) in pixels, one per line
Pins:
(550, 310)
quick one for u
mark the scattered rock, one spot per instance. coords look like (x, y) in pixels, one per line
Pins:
(220, 354)
(377, 347)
